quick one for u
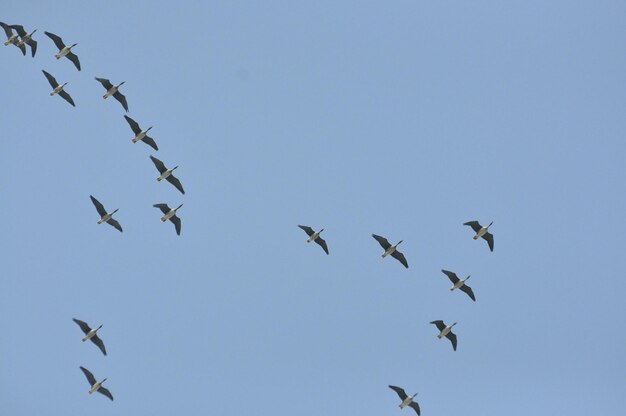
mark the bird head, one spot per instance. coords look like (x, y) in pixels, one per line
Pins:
(178, 207)
(399, 242)
(174, 167)
(73, 45)
(115, 211)
(490, 224)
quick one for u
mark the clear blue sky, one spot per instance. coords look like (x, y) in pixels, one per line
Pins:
(404, 119)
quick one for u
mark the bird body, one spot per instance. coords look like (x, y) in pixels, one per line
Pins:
(91, 333)
(481, 232)
(315, 236)
(406, 399)
(391, 250)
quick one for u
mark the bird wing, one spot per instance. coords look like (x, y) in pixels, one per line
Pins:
(451, 275)
(177, 224)
(96, 340)
(74, 58)
(382, 241)
(52, 80)
(400, 392)
(159, 165)
(134, 126)
(489, 237)
(120, 97)
(322, 243)
(83, 325)
(33, 46)
(105, 83)
(400, 257)
(439, 324)
(22, 48)
(150, 141)
(90, 378)
(99, 206)
(415, 407)
(20, 30)
(474, 224)
(67, 97)
(7, 29)
(56, 39)
(106, 392)
(465, 288)
(174, 181)
(163, 207)
(452, 338)
(115, 224)
(307, 229)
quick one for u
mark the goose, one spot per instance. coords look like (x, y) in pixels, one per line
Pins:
(446, 331)
(391, 249)
(58, 89)
(459, 284)
(482, 232)
(96, 385)
(26, 38)
(406, 400)
(104, 216)
(141, 134)
(112, 90)
(167, 174)
(170, 214)
(12, 38)
(91, 334)
(64, 50)
(315, 236)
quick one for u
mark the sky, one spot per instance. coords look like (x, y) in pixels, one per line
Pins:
(404, 119)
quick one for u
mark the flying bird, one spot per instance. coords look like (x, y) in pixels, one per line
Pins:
(459, 284)
(64, 50)
(96, 385)
(482, 232)
(91, 334)
(112, 90)
(141, 134)
(391, 249)
(12, 38)
(315, 236)
(406, 400)
(446, 331)
(104, 215)
(58, 89)
(26, 38)
(167, 174)
(170, 214)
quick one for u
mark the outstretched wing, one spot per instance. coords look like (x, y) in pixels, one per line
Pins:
(20, 30)
(400, 392)
(452, 338)
(134, 126)
(106, 392)
(74, 58)
(96, 340)
(174, 181)
(90, 378)
(474, 224)
(382, 241)
(150, 142)
(56, 39)
(52, 80)
(120, 97)
(67, 97)
(99, 206)
(115, 224)
(83, 325)
(451, 275)
(163, 207)
(415, 407)
(307, 230)
(22, 48)
(400, 257)
(7, 29)
(439, 324)
(177, 224)
(489, 237)
(105, 83)
(465, 288)
(322, 242)
(159, 165)
(33, 46)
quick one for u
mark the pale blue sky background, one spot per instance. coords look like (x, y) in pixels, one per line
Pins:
(402, 118)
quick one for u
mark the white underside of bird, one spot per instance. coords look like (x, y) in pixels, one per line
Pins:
(90, 334)
(12, 39)
(481, 232)
(24, 39)
(407, 401)
(96, 386)
(168, 215)
(105, 218)
(57, 90)
(313, 236)
(445, 331)
(62, 52)
(389, 251)
(458, 284)
(110, 93)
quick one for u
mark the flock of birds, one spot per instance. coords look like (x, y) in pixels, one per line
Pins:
(21, 38)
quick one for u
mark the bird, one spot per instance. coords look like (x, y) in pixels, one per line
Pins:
(141, 134)
(58, 89)
(391, 249)
(406, 400)
(459, 284)
(12, 38)
(26, 38)
(112, 90)
(167, 174)
(170, 214)
(96, 385)
(104, 216)
(446, 331)
(64, 50)
(315, 236)
(91, 334)
(482, 232)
